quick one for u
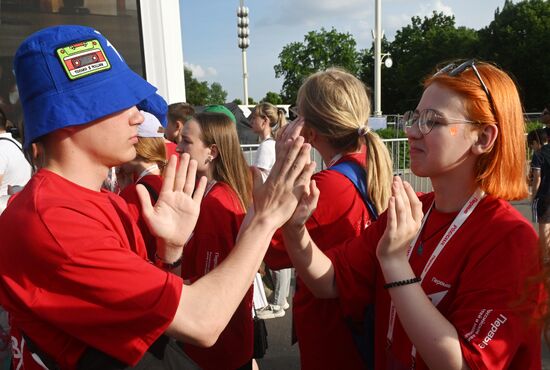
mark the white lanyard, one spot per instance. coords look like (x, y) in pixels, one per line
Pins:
(462, 216)
(147, 171)
(334, 159)
(209, 187)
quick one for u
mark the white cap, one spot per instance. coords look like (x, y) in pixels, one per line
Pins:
(150, 127)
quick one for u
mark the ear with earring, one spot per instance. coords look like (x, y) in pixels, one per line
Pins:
(213, 153)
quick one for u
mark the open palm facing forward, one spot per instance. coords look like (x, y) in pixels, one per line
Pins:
(174, 215)
(287, 182)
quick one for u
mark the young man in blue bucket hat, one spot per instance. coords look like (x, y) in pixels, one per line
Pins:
(74, 273)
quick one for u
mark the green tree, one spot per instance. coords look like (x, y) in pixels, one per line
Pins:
(416, 50)
(251, 101)
(199, 93)
(319, 50)
(518, 40)
(237, 101)
(217, 94)
(196, 92)
(273, 98)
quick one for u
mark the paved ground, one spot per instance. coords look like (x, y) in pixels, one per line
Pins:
(281, 355)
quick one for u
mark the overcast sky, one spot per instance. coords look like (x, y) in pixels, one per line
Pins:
(209, 32)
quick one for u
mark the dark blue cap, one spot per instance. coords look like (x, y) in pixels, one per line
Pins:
(72, 75)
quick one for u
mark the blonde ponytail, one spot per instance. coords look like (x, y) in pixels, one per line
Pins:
(379, 171)
(281, 121)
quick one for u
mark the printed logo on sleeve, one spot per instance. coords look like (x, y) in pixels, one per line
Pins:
(492, 324)
(495, 325)
(83, 59)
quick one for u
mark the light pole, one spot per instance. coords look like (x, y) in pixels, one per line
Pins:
(242, 33)
(379, 57)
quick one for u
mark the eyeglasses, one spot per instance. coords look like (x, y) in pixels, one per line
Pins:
(427, 119)
(453, 70)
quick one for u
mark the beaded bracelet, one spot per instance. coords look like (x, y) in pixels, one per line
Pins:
(402, 282)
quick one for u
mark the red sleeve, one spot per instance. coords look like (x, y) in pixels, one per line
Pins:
(120, 303)
(355, 267)
(329, 216)
(277, 257)
(497, 330)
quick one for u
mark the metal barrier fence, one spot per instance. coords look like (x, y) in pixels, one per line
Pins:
(399, 152)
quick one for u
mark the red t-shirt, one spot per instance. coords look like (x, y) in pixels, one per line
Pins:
(75, 274)
(130, 195)
(324, 337)
(213, 238)
(477, 283)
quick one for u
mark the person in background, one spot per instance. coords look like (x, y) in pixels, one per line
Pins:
(334, 108)
(211, 139)
(15, 170)
(35, 156)
(146, 169)
(265, 120)
(545, 119)
(75, 278)
(451, 274)
(536, 139)
(540, 187)
(218, 108)
(178, 113)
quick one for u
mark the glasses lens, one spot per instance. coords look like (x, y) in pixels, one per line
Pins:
(428, 119)
(408, 119)
(424, 120)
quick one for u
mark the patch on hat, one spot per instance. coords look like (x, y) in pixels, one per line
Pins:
(83, 59)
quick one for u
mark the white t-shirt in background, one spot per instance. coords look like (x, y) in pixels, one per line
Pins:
(265, 157)
(14, 168)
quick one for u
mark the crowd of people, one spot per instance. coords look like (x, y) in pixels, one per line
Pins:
(137, 242)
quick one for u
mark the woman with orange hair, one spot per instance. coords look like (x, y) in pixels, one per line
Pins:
(145, 169)
(449, 272)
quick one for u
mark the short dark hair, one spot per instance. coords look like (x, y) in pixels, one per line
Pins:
(180, 112)
(539, 135)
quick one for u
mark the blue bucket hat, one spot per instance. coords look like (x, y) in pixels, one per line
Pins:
(72, 75)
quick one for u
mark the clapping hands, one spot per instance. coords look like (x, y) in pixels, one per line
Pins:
(404, 217)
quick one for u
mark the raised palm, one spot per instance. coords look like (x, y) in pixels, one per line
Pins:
(174, 215)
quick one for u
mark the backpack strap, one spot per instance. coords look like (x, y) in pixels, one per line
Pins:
(362, 332)
(356, 174)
